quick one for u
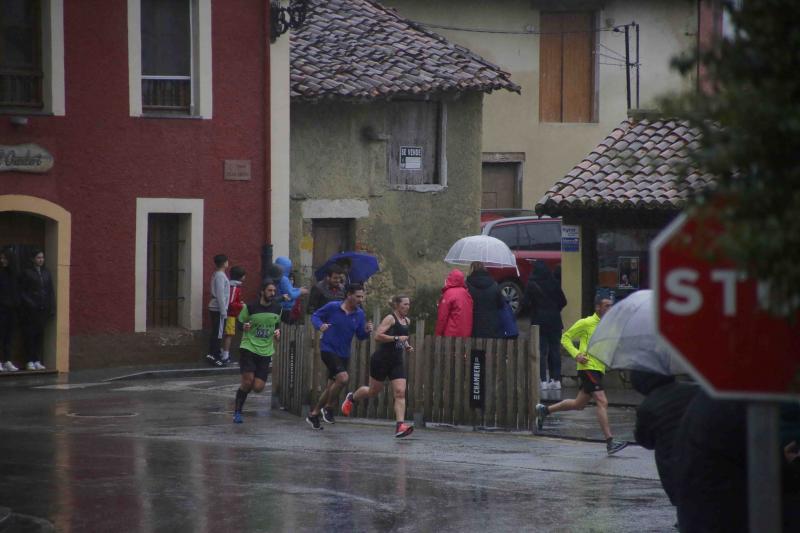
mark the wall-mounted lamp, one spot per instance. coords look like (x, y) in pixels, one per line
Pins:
(286, 18)
(18, 121)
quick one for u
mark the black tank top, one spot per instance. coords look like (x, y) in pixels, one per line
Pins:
(397, 330)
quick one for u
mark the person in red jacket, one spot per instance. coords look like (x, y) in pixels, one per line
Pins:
(455, 307)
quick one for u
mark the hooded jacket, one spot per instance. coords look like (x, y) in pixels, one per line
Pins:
(455, 307)
(36, 290)
(285, 286)
(487, 301)
(545, 298)
(321, 293)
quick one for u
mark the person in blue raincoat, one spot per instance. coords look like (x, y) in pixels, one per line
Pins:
(288, 293)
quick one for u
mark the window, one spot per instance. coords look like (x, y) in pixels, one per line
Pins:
(31, 56)
(507, 234)
(169, 55)
(566, 67)
(541, 236)
(415, 144)
(165, 273)
(623, 260)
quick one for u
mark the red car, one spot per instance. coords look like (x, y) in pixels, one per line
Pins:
(531, 239)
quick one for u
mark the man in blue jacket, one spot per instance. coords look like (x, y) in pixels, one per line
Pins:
(287, 292)
(338, 321)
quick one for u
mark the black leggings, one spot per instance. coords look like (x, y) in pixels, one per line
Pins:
(6, 332)
(33, 323)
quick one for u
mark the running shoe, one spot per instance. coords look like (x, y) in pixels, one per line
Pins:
(39, 366)
(613, 446)
(30, 366)
(237, 417)
(9, 366)
(541, 414)
(347, 405)
(327, 416)
(314, 421)
(211, 360)
(403, 430)
(555, 384)
(544, 385)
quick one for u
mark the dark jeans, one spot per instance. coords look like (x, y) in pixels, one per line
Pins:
(214, 340)
(7, 322)
(549, 353)
(33, 323)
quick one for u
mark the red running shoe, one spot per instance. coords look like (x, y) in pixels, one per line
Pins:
(347, 404)
(403, 430)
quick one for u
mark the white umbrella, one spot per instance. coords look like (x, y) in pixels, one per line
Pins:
(488, 250)
(626, 338)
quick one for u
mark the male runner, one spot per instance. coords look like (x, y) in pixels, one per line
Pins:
(590, 375)
(338, 321)
(260, 321)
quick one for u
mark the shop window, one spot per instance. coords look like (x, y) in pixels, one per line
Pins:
(566, 67)
(623, 260)
(165, 271)
(415, 144)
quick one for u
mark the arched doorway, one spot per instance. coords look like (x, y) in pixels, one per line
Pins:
(26, 222)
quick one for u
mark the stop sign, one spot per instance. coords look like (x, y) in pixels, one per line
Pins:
(714, 318)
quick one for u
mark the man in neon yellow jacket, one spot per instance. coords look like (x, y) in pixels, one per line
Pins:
(590, 375)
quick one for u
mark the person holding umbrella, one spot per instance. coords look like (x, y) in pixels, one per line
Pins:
(590, 374)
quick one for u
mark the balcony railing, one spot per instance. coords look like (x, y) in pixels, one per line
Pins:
(20, 88)
(167, 94)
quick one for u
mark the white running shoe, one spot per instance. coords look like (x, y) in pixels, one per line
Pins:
(555, 385)
(2, 367)
(39, 366)
(544, 385)
(9, 367)
(31, 366)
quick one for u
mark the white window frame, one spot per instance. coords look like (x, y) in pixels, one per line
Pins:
(202, 101)
(191, 315)
(53, 93)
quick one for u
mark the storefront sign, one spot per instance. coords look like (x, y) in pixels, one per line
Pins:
(570, 238)
(411, 157)
(477, 374)
(25, 158)
(237, 169)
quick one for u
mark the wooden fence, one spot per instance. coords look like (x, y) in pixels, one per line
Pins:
(439, 378)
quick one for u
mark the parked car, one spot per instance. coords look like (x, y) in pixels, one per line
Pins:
(531, 239)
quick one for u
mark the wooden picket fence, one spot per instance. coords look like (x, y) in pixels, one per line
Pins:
(439, 378)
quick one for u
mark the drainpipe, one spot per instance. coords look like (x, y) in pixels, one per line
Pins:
(266, 249)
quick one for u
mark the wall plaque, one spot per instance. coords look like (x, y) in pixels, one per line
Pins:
(25, 158)
(237, 169)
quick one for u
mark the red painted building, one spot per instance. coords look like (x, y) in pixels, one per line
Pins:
(154, 117)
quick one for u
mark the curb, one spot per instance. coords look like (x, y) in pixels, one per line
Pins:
(177, 373)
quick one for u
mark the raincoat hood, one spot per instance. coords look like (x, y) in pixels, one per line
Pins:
(454, 279)
(285, 263)
(480, 279)
(646, 382)
(540, 272)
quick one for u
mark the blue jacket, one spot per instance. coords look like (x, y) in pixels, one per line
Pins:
(338, 337)
(285, 286)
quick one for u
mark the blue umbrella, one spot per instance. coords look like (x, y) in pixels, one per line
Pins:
(362, 266)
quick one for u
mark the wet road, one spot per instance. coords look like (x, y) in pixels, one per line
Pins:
(162, 455)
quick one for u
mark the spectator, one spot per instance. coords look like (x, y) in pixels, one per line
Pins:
(487, 301)
(288, 293)
(327, 290)
(455, 307)
(36, 292)
(9, 300)
(546, 300)
(218, 309)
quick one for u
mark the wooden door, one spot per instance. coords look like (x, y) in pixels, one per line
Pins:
(499, 186)
(331, 236)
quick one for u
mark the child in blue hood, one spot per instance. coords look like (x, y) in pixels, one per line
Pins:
(287, 292)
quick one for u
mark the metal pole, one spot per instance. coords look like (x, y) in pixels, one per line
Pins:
(628, 64)
(637, 65)
(763, 467)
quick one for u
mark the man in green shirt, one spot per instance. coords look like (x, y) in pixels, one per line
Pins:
(259, 321)
(590, 375)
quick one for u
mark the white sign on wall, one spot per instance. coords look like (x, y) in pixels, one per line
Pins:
(411, 157)
(25, 158)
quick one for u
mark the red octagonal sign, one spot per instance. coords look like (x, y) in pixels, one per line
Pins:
(714, 318)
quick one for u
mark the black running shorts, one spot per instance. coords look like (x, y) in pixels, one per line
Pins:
(336, 365)
(383, 365)
(590, 381)
(250, 363)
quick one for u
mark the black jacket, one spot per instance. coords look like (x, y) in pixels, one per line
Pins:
(9, 295)
(321, 294)
(36, 290)
(545, 298)
(658, 418)
(487, 300)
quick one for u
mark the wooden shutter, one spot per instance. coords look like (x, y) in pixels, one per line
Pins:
(578, 74)
(414, 124)
(550, 68)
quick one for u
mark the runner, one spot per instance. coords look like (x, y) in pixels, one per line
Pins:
(260, 321)
(387, 361)
(338, 321)
(590, 375)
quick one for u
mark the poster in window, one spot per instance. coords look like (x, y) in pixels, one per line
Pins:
(628, 272)
(411, 157)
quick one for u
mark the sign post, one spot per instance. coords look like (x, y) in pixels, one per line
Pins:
(716, 320)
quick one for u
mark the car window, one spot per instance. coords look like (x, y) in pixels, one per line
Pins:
(540, 236)
(507, 234)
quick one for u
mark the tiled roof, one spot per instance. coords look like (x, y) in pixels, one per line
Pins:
(358, 49)
(631, 169)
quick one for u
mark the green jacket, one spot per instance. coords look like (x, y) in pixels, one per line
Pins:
(582, 330)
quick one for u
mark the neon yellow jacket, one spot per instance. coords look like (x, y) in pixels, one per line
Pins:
(583, 330)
